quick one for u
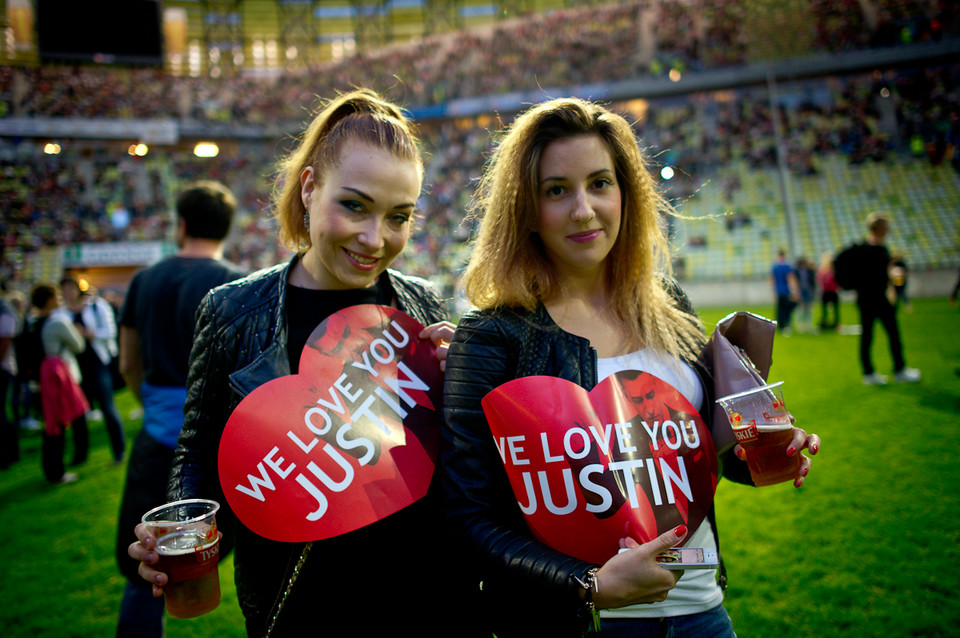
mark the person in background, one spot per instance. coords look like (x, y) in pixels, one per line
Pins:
(571, 277)
(870, 261)
(784, 280)
(346, 202)
(96, 323)
(806, 290)
(64, 404)
(24, 400)
(9, 430)
(156, 333)
(829, 293)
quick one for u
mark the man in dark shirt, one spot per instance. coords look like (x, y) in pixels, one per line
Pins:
(156, 333)
(872, 281)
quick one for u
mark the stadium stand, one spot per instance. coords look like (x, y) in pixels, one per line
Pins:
(855, 136)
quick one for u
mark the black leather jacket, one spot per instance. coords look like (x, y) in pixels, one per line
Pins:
(240, 343)
(529, 589)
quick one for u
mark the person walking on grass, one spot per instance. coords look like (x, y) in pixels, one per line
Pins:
(9, 435)
(785, 288)
(64, 404)
(867, 265)
(94, 320)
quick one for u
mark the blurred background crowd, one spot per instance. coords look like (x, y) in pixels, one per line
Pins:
(798, 175)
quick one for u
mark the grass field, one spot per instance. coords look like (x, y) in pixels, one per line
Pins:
(870, 546)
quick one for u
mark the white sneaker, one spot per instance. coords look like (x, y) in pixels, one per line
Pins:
(874, 379)
(69, 477)
(907, 375)
(30, 424)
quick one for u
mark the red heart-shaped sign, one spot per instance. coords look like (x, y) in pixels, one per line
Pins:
(346, 442)
(630, 458)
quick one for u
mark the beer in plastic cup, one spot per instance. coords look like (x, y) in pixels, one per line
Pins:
(189, 546)
(763, 428)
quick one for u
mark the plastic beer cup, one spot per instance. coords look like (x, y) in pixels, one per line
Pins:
(763, 428)
(189, 548)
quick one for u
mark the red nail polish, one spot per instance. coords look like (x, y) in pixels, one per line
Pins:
(814, 448)
(680, 530)
(791, 451)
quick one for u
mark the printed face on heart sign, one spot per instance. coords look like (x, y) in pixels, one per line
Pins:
(346, 442)
(630, 458)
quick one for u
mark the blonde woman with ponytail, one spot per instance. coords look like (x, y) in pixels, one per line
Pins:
(345, 202)
(570, 276)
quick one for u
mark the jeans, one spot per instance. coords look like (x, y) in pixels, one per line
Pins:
(141, 615)
(97, 384)
(714, 623)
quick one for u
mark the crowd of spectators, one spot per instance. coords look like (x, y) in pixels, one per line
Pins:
(97, 194)
(563, 48)
(100, 193)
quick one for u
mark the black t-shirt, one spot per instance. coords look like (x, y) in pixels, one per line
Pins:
(306, 309)
(161, 305)
(367, 582)
(872, 267)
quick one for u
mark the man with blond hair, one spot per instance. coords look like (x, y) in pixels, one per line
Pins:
(870, 275)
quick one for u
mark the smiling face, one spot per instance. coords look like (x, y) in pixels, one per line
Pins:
(361, 215)
(578, 201)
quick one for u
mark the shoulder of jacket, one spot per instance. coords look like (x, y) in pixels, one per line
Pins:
(514, 322)
(413, 284)
(253, 292)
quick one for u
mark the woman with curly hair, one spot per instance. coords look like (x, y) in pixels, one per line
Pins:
(570, 274)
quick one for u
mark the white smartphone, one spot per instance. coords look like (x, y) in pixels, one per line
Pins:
(689, 558)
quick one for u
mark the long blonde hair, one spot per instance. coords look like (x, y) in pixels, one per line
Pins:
(358, 116)
(509, 266)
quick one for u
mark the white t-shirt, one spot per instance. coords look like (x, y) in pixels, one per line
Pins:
(697, 590)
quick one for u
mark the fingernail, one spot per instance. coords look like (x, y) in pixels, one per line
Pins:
(799, 481)
(156, 579)
(814, 448)
(680, 530)
(806, 471)
(741, 454)
(791, 450)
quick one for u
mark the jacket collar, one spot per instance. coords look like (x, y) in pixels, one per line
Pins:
(273, 361)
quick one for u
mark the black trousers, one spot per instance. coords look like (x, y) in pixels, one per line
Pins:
(9, 430)
(829, 300)
(51, 454)
(871, 310)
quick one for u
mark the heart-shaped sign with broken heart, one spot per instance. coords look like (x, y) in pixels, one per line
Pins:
(630, 458)
(349, 440)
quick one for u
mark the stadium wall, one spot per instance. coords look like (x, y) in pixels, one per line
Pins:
(758, 292)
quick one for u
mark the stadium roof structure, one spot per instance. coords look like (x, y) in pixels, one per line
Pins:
(319, 29)
(302, 33)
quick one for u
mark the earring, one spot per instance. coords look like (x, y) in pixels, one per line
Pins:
(306, 221)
